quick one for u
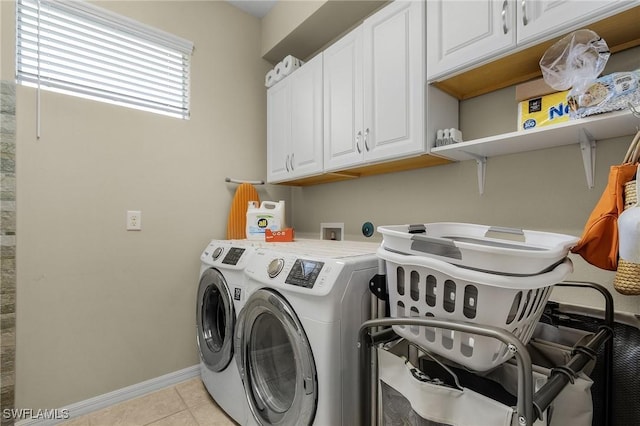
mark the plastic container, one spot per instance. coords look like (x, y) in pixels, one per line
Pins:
(270, 215)
(485, 248)
(420, 286)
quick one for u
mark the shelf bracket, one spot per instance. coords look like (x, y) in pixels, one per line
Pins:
(588, 149)
(481, 163)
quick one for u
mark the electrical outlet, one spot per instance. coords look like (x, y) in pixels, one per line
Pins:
(134, 220)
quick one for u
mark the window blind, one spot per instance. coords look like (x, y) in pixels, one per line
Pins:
(78, 48)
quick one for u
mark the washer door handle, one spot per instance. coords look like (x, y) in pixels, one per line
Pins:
(308, 385)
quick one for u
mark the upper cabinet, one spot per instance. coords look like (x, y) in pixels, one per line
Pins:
(461, 34)
(478, 46)
(540, 19)
(374, 89)
(294, 124)
(372, 111)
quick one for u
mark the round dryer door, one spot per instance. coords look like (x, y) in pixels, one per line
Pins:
(275, 362)
(215, 316)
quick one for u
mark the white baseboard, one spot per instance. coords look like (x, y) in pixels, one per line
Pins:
(102, 401)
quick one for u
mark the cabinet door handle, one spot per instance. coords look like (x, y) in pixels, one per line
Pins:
(505, 5)
(525, 20)
(366, 135)
(358, 135)
(286, 163)
(291, 161)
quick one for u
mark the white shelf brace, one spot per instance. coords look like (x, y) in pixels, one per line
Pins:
(588, 149)
(481, 163)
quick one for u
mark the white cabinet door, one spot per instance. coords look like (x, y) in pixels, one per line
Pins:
(343, 140)
(394, 81)
(461, 33)
(278, 131)
(374, 89)
(539, 19)
(306, 119)
(294, 124)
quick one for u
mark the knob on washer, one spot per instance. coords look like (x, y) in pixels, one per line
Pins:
(216, 253)
(275, 267)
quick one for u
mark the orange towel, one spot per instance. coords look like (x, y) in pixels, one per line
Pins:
(237, 222)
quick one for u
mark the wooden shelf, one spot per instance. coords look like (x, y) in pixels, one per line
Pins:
(621, 31)
(370, 170)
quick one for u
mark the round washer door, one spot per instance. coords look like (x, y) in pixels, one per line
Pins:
(275, 361)
(215, 318)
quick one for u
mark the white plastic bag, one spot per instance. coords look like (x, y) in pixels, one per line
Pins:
(575, 61)
(610, 92)
(410, 398)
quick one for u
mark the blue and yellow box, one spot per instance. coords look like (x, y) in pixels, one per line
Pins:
(543, 111)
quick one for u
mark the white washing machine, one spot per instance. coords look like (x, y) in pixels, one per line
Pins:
(296, 335)
(220, 298)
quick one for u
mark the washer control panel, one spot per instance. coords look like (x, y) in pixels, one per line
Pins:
(233, 256)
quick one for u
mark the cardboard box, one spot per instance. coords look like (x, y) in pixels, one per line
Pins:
(543, 111)
(285, 235)
(533, 89)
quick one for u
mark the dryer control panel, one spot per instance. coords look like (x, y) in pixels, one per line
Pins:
(304, 273)
(309, 267)
(294, 272)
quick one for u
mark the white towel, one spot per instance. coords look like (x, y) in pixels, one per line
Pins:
(290, 64)
(270, 78)
(279, 71)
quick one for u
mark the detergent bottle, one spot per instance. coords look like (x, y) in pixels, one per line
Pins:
(269, 215)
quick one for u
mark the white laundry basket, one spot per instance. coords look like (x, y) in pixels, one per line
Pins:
(424, 287)
(510, 251)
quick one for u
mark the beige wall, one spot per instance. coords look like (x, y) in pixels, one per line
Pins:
(302, 27)
(6, 41)
(2, 37)
(100, 308)
(283, 19)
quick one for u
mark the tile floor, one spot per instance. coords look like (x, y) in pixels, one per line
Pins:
(185, 404)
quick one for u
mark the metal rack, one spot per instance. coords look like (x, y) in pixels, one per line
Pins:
(530, 404)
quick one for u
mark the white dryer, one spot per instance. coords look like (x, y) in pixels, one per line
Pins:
(220, 298)
(296, 335)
